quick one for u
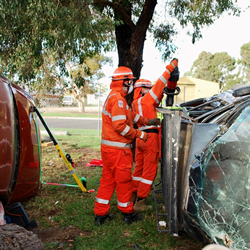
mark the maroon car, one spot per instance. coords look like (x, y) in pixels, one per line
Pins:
(19, 144)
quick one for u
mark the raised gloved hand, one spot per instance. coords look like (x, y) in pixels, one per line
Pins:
(172, 78)
(155, 121)
(142, 135)
(173, 64)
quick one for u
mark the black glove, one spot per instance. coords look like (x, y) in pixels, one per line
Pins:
(155, 121)
(174, 76)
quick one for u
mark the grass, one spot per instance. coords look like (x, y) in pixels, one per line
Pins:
(65, 215)
(79, 138)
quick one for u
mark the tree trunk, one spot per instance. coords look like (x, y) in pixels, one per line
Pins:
(13, 236)
(81, 105)
(130, 38)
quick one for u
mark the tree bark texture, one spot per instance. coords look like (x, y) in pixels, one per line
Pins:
(13, 237)
(130, 38)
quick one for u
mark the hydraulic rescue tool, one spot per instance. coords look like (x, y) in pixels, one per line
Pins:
(66, 158)
(172, 87)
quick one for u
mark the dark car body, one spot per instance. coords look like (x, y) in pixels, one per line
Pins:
(205, 172)
(19, 144)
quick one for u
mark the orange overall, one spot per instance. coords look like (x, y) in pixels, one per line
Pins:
(147, 153)
(116, 142)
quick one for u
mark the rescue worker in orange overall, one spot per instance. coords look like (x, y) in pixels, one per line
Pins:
(146, 97)
(117, 135)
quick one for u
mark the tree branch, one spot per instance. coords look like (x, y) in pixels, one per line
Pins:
(118, 8)
(147, 14)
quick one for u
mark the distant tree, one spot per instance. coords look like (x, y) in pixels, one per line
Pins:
(201, 67)
(216, 68)
(244, 62)
(83, 79)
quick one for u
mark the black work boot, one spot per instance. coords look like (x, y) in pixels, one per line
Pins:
(100, 219)
(132, 217)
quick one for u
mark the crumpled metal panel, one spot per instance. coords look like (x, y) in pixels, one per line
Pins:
(170, 146)
(217, 201)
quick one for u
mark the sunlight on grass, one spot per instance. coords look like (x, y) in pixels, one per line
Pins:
(78, 138)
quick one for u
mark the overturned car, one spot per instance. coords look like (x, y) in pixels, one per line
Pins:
(205, 181)
(19, 145)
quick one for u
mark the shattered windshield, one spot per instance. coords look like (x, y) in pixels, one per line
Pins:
(219, 187)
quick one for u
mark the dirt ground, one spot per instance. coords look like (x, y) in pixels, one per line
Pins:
(59, 235)
(66, 236)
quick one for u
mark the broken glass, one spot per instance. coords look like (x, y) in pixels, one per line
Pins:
(217, 200)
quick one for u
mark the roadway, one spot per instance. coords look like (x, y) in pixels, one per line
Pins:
(72, 123)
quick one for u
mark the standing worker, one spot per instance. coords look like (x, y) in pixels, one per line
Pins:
(117, 135)
(146, 98)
